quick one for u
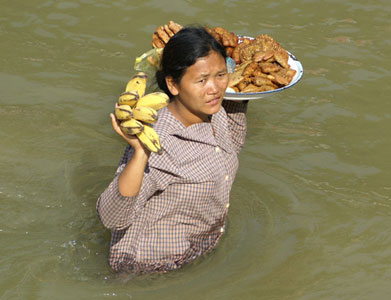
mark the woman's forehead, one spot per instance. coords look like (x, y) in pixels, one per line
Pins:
(213, 62)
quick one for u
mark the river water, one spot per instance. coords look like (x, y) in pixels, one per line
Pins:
(310, 214)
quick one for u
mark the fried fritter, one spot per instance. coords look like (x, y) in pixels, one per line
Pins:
(258, 73)
(259, 81)
(229, 50)
(162, 34)
(269, 67)
(280, 80)
(250, 88)
(263, 55)
(247, 52)
(283, 77)
(234, 79)
(214, 34)
(267, 42)
(175, 27)
(224, 37)
(265, 88)
(250, 69)
(236, 52)
(244, 83)
(237, 75)
(282, 57)
(236, 89)
(156, 41)
(228, 39)
(168, 30)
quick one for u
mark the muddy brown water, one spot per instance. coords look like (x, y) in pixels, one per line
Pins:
(310, 214)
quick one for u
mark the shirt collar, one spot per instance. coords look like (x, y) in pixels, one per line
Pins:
(201, 132)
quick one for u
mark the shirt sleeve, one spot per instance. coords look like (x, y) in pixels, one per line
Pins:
(236, 112)
(117, 212)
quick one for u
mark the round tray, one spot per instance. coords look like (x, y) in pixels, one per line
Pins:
(294, 64)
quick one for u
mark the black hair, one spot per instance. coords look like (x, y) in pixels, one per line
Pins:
(182, 51)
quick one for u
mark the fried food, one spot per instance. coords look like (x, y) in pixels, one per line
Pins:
(237, 76)
(247, 53)
(229, 51)
(175, 27)
(266, 62)
(250, 69)
(267, 67)
(236, 52)
(242, 85)
(250, 88)
(283, 77)
(261, 62)
(162, 34)
(265, 88)
(259, 81)
(224, 37)
(263, 55)
(267, 42)
(214, 34)
(282, 57)
(168, 30)
(156, 41)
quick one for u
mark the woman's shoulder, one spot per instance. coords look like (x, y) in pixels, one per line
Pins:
(166, 127)
(166, 124)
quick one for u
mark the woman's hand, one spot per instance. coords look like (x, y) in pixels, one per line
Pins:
(130, 179)
(132, 140)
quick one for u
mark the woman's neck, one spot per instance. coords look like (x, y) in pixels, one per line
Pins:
(184, 115)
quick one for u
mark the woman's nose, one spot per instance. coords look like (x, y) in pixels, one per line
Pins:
(213, 87)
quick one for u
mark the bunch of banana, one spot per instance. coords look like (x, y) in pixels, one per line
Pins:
(136, 111)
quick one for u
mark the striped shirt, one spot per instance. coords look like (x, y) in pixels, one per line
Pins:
(180, 210)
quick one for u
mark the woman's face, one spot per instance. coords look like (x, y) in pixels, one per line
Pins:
(201, 89)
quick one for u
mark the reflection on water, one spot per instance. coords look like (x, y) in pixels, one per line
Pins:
(309, 215)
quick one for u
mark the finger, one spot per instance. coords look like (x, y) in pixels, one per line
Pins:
(118, 130)
(113, 120)
(130, 139)
(114, 124)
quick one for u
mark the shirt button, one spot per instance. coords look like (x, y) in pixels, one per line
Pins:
(226, 177)
(217, 149)
(227, 205)
(221, 229)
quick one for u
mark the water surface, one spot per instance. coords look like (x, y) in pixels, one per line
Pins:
(310, 207)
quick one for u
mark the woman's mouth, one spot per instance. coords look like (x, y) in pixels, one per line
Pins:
(213, 102)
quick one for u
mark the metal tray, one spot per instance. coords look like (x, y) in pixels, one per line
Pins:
(294, 64)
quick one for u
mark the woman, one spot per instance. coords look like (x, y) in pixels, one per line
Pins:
(166, 210)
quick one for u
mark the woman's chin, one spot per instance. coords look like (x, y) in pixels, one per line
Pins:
(214, 109)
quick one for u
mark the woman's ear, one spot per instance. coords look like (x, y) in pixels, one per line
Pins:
(172, 86)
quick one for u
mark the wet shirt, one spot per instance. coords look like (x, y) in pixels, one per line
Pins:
(180, 210)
